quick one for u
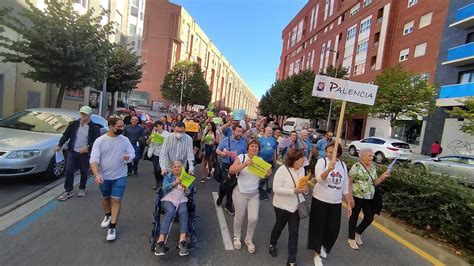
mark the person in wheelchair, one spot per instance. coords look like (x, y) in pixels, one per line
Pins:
(174, 201)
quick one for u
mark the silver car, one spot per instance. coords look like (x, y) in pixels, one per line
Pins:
(28, 138)
(458, 166)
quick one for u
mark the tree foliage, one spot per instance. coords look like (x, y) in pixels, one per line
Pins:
(196, 90)
(124, 70)
(61, 46)
(402, 94)
(466, 112)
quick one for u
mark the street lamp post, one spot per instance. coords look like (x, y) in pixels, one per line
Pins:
(335, 76)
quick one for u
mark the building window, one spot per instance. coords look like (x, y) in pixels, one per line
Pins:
(408, 28)
(466, 77)
(354, 10)
(132, 30)
(359, 69)
(420, 50)
(404, 55)
(292, 66)
(366, 3)
(425, 20)
(118, 27)
(351, 33)
(412, 3)
(293, 36)
(365, 25)
(83, 3)
(362, 47)
(470, 37)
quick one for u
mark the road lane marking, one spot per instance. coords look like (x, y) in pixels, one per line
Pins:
(404, 242)
(228, 245)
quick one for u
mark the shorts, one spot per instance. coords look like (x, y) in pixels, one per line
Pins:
(113, 188)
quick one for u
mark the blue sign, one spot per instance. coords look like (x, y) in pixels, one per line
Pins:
(239, 114)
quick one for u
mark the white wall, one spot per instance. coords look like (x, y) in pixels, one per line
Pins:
(382, 127)
(454, 141)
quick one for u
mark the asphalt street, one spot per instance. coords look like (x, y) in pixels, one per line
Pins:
(69, 233)
(14, 188)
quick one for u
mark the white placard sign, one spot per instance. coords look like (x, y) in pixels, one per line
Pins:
(345, 90)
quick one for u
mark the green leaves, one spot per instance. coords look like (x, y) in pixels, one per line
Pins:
(195, 89)
(402, 94)
(466, 112)
(61, 46)
(124, 69)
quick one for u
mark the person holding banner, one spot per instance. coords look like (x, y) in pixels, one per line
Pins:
(211, 140)
(245, 196)
(325, 215)
(156, 141)
(287, 198)
(174, 201)
(364, 179)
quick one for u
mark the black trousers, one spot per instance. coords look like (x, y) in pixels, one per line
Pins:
(284, 217)
(224, 190)
(366, 206)
(157, 170)
(74, 162)
(324, 225)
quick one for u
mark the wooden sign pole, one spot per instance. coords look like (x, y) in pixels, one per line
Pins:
(338, 132)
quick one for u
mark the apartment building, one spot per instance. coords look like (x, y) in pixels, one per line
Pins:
(18, 92)
(455, 76)
(366, 36)
(171, 35)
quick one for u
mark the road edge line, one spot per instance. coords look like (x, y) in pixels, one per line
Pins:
(226, 239)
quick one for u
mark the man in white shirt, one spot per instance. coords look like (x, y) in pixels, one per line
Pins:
(109, 157)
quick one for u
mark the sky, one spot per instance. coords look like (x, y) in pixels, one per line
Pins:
(247, 32)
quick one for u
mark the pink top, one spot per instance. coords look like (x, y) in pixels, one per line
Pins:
(435, 148)
(176, 196)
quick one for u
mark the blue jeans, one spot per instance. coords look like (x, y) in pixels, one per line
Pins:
(170, 213)
(133, 166)
(76, 161)
(113, 188)
(263, 188)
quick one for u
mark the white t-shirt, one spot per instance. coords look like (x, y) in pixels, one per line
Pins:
(247, 181)
(335, 185)
(284, 189)
(108, 153)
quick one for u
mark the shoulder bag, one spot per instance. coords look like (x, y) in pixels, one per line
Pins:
(303, 209)
(377, 201)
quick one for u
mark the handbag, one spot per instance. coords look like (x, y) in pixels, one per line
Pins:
(231, 180)
(218, 171)
(303, 209)
(377, 201)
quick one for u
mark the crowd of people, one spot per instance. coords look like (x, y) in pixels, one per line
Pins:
(225, 148)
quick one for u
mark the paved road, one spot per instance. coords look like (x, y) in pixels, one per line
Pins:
(69, 233)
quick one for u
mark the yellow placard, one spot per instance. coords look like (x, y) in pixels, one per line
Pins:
(157, 138)
(303, 181)
(191, 127)
(259, 167)
(186, 179)
(210, 114)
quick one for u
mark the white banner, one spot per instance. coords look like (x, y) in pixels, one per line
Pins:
(345, 90)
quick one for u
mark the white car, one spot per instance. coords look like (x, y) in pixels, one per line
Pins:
(383, 149)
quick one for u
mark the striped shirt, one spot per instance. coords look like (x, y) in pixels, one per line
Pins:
(174, 149)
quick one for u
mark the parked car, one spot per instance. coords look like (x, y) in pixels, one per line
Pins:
(383, 149)
(458, 166)
(295, 124)
(123, 113)
(28, 139)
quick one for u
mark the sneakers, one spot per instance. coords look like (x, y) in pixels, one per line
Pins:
(106, 222)
(111, 234)
(208, 177)
(358, 240)
(203, 180)
(160, 249)
(237, 244)
(230, 210)
(323, 253)
(318, 261)
(66, 195)
(183, 249)
(219, 201)
(272, 251)
(353, 244)
(250, 246)
(82, 193)
(135, 173)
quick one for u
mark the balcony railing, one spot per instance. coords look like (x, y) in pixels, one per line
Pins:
(457, 90)
(464, 17)
(461, 55)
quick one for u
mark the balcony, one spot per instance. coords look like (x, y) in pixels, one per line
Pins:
(461, 55)
(450, 95)
(464, 17)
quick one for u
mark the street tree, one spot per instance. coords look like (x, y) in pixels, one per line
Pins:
(189, 77)
(467, 113)
(61, 46)
(124, 71)
(402, 94)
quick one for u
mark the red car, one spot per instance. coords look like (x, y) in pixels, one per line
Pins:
(123, 113)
